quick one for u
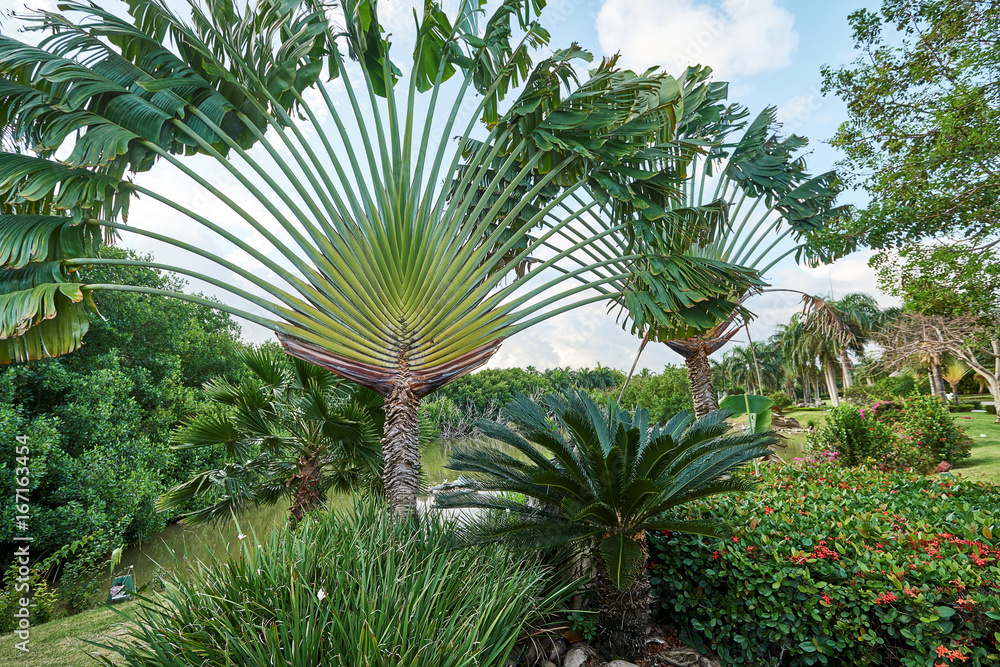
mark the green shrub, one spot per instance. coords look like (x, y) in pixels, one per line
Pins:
(781, 399)
(845, 566)
(885, 389)
(977, 405)
(963, 407)
(854, 435)
(32, 586)
(991, 409)
(923, 424)
(345, 588)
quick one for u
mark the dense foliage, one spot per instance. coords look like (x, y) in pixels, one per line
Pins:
(347, 588)
(841, 565)
(290, 433)
(457, 407)
(98, 421)
(662, 394)
(916, 432)
(923, 127)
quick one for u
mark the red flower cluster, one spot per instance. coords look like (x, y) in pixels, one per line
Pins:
(886, 598)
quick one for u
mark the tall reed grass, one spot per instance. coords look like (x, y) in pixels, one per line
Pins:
(349, 588)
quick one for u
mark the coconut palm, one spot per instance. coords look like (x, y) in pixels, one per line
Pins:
(598, 479)
(382, 248)
(295, 431)
(863, 317)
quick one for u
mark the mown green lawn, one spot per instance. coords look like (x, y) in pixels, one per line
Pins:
(58, 643)
(985, 462)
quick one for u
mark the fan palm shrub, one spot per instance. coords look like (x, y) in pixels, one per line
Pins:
(382, 247)
(597, 480)
(294, 431)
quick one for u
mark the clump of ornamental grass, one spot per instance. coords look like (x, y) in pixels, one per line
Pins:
(345, 588)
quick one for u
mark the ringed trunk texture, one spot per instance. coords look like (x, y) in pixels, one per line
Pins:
(806, 393)
(308, 494)
(700, 378)
(623, 617)
(401, 449)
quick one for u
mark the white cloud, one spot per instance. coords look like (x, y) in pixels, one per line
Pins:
(740, 37)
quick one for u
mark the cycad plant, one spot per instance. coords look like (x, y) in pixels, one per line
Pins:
(292, 432)
(404, 220)
(597, 480)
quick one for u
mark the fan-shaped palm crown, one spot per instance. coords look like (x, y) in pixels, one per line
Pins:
(380, 246)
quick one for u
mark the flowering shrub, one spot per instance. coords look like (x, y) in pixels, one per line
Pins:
(924, 424)
(834, 565)
(916, 433)
(854, 434)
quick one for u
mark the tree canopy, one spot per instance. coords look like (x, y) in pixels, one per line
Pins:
(923, 134)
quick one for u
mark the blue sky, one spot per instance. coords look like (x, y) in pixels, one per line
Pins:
(770, 51)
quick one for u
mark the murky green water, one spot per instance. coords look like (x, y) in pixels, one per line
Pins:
(178, 544)
(175, 545)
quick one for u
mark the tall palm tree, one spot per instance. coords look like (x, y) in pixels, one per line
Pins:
(863, 317)
(598, 479)
(808, 344)
(294, 431)
(383, 248)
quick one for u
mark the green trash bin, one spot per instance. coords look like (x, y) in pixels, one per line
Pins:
(122, 588)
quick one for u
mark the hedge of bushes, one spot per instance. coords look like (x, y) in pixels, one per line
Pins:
(846, 566)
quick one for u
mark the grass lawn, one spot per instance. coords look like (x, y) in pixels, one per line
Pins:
(985, 462)
(57, 643)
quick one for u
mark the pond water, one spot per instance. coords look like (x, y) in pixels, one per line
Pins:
(174, 546)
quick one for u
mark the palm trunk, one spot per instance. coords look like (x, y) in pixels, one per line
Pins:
(623, 617)
(938, 388)
(816, 387)
(806, 393)
(308, 494)
(845, 369)
(831, 382)
(995, 384)
(700, 378)
(401, 448)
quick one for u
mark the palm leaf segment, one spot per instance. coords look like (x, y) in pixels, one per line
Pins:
(760, 183)
(600, 477)
(379, 272)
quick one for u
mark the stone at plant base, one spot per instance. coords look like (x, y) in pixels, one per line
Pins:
(620, 663)
(706, 661)
(680, 657)
(548, 663)
(554, 648)
(576, 657)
